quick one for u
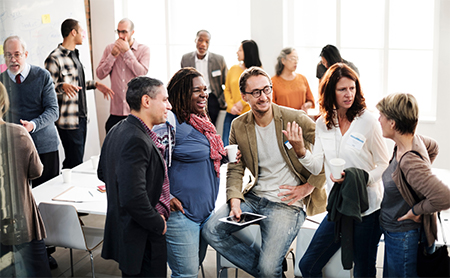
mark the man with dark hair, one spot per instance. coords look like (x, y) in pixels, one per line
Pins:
(33, 104)
(67, 73)
(280, 187)
(122, 60)
(137, 185)
(214, 70)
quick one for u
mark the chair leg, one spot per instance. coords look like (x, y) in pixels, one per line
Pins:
(203, 270)
(71, 262)
(92, 264)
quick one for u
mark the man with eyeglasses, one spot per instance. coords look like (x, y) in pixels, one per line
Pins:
(214, 70)
(33, 104)
(67, 73)
(122, 61)
(281, 187)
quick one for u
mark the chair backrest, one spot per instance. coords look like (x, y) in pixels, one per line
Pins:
(62, 225)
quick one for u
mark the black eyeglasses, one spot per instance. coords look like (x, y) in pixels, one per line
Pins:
(257, 93)
(121, 31)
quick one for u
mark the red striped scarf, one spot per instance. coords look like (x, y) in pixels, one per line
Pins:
(204, 125)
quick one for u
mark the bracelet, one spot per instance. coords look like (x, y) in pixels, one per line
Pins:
(412, 209)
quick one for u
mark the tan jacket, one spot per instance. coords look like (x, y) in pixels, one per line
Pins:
(433, 193)
(243, 134)
(19, 163)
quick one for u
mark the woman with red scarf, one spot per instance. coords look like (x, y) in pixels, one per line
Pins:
(193, 174)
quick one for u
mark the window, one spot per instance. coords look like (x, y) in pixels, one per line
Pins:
(169, 28)
(392, 42)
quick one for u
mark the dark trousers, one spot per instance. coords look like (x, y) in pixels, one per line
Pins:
(112, 121)
(73, 141)
(51, 168)
(30, 260)
(213, 108)
(154, 263)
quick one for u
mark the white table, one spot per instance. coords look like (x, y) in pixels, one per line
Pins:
(54, 187)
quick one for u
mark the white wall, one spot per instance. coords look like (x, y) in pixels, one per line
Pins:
(267, 30)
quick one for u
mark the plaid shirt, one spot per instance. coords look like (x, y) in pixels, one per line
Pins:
(163, 206)
(63, 70)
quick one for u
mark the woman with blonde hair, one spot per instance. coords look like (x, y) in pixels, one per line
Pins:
(412, 193)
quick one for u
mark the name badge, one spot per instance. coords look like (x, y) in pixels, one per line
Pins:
(288, 145)
(216, 73)
(356, 140)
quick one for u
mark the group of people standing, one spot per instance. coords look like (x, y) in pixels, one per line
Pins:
(288, 156)
(162, 156)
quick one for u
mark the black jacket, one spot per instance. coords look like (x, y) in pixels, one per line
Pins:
(345, 204)
(133, 170)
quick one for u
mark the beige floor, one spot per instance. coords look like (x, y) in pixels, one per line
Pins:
(109, 268)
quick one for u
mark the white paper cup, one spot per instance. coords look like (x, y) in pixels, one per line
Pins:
(232, 152)
(67, 175)
(337, 166)
(94, 160)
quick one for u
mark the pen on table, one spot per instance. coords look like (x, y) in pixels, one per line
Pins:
(91, 193)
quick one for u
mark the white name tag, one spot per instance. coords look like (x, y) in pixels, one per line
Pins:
(356, 140)
(215, 73)
(288, 145)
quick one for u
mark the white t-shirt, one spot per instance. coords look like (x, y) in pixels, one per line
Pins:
(273, 170)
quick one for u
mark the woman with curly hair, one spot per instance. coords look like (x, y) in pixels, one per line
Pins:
(193, 173)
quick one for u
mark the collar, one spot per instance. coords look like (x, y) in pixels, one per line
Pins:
(134, 45)
(65, 51)
(24, 73)
(204, 58)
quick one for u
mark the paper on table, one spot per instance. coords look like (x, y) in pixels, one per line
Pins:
(76, 195)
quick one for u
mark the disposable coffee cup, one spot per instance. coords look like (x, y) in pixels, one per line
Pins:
(232, 152)
(67, 175)
(337, 166)
(94, 160)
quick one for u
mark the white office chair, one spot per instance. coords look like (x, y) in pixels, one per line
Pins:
(334, 266)
(64, 229)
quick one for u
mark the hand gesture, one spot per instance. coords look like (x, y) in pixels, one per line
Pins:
(70, 90)
(27, 125)
(176, 205)
(115, 51)
(107, 92)
(295, 193)
(294, 135)
(410, 215)
(235, 208)
(122, 45)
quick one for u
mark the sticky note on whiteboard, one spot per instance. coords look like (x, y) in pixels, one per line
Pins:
(1, 49)
(45, 18)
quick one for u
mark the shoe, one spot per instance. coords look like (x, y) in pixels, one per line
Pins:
(52, 262)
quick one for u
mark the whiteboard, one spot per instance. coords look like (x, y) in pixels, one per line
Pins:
(38, 23)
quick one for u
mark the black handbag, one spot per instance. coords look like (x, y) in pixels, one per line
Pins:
(436, 264)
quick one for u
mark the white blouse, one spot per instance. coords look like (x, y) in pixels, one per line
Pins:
(362, 146)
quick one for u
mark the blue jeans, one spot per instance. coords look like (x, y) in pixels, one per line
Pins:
(185, 249)
(278, 231)
(400, 253)
(226, 127)
(323, 246)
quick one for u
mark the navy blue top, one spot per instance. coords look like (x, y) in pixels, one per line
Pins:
(193, 179)
(35, 100)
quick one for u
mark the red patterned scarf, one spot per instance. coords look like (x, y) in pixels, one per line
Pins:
(204, 125)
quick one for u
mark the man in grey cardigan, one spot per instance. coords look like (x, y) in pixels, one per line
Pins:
(33, 104)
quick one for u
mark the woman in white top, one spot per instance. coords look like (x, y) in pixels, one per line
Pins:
(345, 130)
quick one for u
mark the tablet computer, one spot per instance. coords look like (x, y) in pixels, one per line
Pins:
(246, 218)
